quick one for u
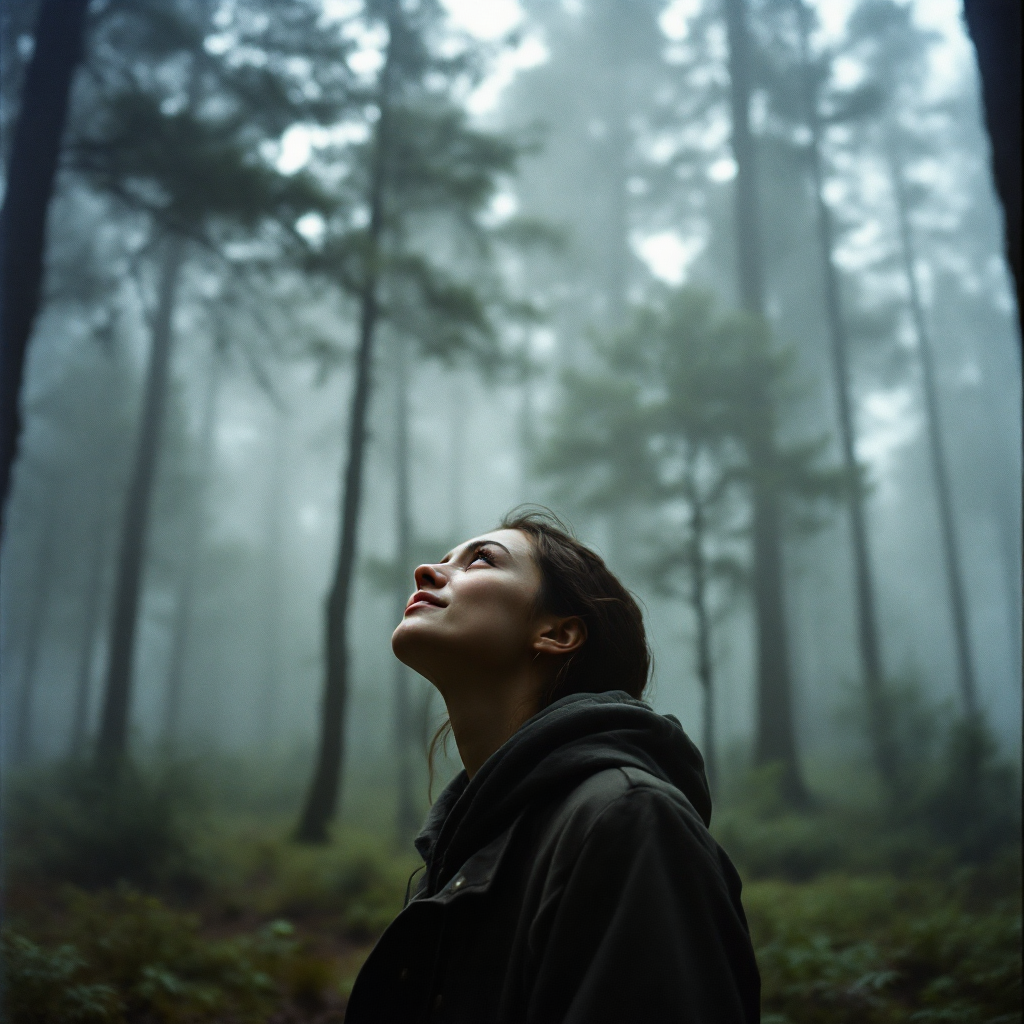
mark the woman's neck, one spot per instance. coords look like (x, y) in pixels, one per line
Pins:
(484, 716)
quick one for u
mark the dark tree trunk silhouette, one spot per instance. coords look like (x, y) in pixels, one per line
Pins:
(936, 447)
(30, 180)
(995, 29)
(883, 746)
(322, 798)
(181, 630)
(112, 741)
(87, 643)
(776, 740)
(407, 819)
(702, 617)
(41, 593)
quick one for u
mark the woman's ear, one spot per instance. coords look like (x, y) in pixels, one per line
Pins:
(560, 636)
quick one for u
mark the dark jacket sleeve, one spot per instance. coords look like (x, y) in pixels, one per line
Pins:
(647, 927)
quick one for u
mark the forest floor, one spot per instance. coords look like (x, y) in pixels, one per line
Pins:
(224, 919)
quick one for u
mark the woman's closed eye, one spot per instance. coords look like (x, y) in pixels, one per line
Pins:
(482, 555)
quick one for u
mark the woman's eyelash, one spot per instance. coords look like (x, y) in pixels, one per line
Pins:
(482, 553)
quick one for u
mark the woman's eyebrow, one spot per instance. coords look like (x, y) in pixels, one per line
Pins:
(476, 546)
(485, 541)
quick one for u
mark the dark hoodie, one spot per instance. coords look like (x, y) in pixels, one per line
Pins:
(572, 880)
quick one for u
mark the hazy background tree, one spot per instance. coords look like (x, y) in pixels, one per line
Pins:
(422, 165)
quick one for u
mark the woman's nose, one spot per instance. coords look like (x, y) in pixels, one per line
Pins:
(428, 577)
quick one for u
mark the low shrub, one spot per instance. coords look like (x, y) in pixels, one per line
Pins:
(127, 957)
(880, 950)
(960, 805)
(76, 824)
(355, 885)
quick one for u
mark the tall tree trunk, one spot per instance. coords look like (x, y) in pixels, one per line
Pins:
(620, 521)
(937, 449)
(407, 819)
(112, 742)
(41, 594)
(87, 643)
(776, 739)
(617, 166)
(181, 630)
(322, 798)
(995, 30)
(457, 424)
(30, 179)
(273, 599)
(699, 604)
(883, 745)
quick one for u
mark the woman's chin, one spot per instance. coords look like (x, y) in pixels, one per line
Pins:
(405, 642)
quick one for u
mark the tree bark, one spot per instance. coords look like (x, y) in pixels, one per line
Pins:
(181, 631)
(776, 739)
(883, 745)
(112, 742)
(936, 447)
(42, 592)
(407, 819)
(322, 798)
(30, 182)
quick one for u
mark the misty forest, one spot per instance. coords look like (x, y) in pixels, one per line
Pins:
(328, 287)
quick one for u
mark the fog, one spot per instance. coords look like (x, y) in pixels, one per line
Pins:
(623, 167)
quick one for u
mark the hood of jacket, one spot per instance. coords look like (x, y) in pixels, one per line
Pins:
(551, 754)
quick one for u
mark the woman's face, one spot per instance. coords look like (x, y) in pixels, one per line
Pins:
(475, 609)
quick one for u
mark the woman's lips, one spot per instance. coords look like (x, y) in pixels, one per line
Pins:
(420, 598)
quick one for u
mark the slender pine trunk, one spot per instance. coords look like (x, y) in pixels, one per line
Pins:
(702, 617)
(274, 600)
(882, 742)
(457, 426)
(617, 112)
(776, 738)
(112, 742)
(42, 591)
(181, 630)
(30, 180)
(87, 643)
(322, 798)
(407, 818)
(936, 447)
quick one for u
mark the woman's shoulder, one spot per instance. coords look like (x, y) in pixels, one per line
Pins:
(623, 800)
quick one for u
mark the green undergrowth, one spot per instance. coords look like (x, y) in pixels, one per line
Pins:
(150, 900)
(356, 883)
(161, 900)
(121, 956)
(877, 949)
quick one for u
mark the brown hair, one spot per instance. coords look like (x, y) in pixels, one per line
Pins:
(575, 581)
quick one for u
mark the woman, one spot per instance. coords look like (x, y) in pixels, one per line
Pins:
(569, 874)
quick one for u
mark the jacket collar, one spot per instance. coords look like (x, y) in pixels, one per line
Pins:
(477, 874)
(426, 841)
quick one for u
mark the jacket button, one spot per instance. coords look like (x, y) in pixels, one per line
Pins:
(458, 882)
